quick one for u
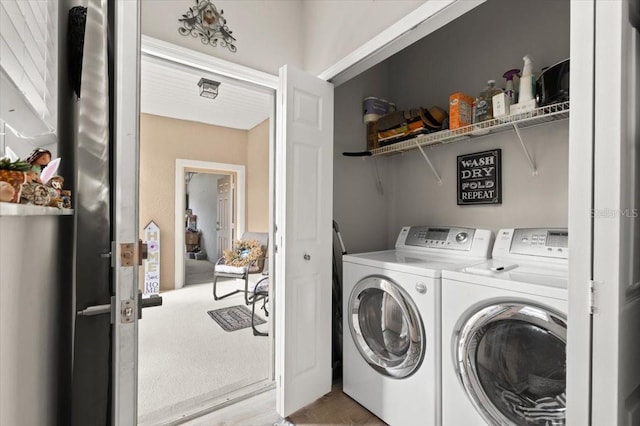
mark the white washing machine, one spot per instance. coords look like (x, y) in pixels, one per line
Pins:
(391, 314)
(504, 333)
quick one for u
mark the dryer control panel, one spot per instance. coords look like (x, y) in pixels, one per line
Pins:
(536, 242)
(475, 241)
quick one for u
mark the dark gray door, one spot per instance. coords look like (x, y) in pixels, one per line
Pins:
(92, 333)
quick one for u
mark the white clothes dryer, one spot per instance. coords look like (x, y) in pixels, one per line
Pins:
(504, 333)
(391, 309)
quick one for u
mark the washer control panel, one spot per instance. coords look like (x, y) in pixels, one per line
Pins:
(436, 237)
(449, 238)
(468, 242)
(541, 242)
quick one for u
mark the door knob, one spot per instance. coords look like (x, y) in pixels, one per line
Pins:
(307, 257)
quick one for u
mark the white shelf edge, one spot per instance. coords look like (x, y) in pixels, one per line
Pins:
(540, 115)
(13, 209)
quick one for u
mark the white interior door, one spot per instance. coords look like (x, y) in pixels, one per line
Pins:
(580, 220)
(224, 214)
(304, 185)
(125, 212)
(616, 264)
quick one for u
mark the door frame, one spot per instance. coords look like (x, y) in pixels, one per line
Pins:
(419, 23)
(124, 190)
(170, 52)
(432, 15)
(615, 374)
(173, 53)
(580, 212)
(183, 166)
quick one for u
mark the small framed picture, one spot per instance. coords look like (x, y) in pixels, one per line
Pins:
(480, 178)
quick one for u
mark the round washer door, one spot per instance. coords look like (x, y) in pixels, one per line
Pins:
(511, 360)
(386, 327)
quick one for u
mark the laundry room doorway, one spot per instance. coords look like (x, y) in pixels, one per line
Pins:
(204, 180)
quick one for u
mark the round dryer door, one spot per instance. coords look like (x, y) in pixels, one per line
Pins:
(386, 327)
(511, 359)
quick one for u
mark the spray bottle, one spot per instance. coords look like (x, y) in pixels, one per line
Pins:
(527, 82)
(509, 90)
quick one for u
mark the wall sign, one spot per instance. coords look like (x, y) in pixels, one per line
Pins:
(152, 262)
(480, 178)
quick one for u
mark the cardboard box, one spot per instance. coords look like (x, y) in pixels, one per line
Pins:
(192, 237)
(460, 110)
(500, 105)
(521, 107)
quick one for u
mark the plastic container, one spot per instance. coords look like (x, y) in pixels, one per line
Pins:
(483, 109)
(374, 108)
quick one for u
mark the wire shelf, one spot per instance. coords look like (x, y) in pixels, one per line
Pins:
(537, 116)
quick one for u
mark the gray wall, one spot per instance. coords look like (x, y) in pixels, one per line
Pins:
(459, 57)
(203, 202)
(28, 314)
(527, 201)
(479, 46)
(360, 200)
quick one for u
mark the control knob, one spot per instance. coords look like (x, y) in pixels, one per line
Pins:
(462, 237)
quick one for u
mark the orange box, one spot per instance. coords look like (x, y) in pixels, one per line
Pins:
(460, 110)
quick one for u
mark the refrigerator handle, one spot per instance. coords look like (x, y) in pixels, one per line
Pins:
(634, 13)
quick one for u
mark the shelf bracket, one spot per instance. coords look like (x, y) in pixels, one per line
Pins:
(532, 165)
(433, 169)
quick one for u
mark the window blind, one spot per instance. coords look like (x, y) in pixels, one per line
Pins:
(29, 52)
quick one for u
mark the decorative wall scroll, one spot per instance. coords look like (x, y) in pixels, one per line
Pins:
(480, 178)
(152, 262)
(205, 22)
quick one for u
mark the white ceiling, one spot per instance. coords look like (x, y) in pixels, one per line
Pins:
(171, 90)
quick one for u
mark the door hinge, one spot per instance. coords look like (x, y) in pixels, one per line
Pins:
(592, 297)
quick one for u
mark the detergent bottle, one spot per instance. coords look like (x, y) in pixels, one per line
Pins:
(483, 105)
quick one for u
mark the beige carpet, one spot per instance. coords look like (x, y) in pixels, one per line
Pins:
(185, 358)
(197, 271)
